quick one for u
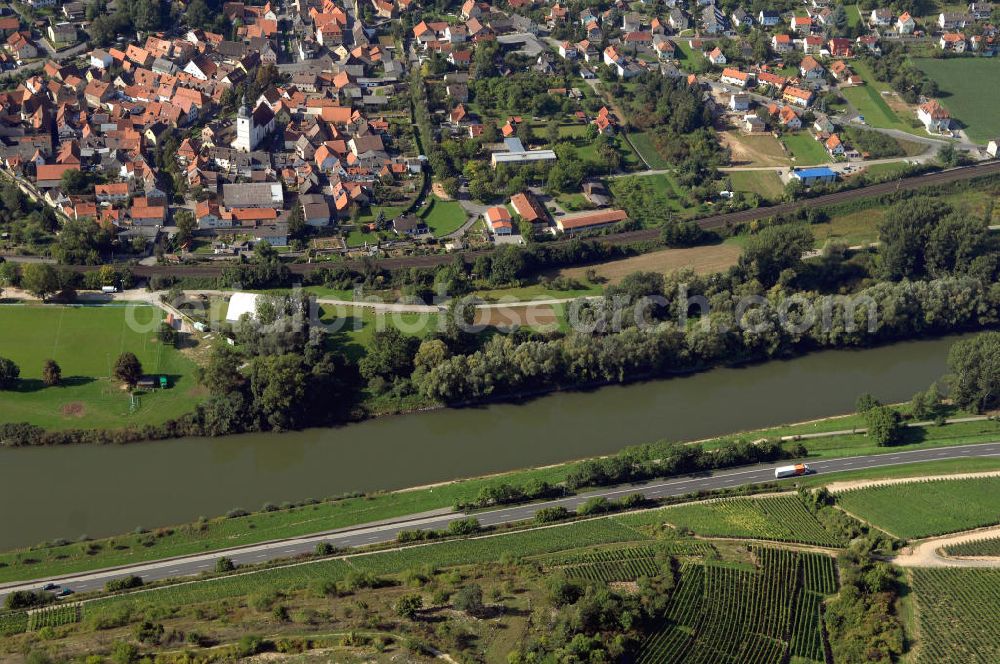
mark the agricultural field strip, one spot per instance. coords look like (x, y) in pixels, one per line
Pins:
(985, 547)
(780, 518)
(913, 510)
(739, 616)
(957, 611)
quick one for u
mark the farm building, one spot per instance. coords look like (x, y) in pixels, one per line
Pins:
(811, 176)
(585, 221)
(517, 154)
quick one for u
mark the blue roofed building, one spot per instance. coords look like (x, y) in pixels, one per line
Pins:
(811, 176)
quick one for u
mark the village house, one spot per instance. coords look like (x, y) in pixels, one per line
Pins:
(905, 25)
(798, 96)
(801, 24)
(880, 17)
(736, 78)
(811, 70)
(768, 18)
(528, 208)
(739, 101)
(789, 119)
(782, 43)
(498, 220)
(950, 21)
(834, 146)
(934, 117)
(952, 41)
(753, 124)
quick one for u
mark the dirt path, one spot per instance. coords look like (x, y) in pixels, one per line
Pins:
(743, 152)
(927, 553)
(840, 487)
(439, 191)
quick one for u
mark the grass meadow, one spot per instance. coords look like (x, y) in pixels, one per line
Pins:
(970, 90)
(85, 341)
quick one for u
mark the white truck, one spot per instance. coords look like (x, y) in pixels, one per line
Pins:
(792, 471)
(109, 289)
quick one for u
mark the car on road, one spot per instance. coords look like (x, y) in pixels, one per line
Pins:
(50, 586)
(65, 592)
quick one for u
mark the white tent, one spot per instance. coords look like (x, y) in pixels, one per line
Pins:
(241, 303)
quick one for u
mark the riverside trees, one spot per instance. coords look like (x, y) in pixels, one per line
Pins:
(894, 311)
(975, 372)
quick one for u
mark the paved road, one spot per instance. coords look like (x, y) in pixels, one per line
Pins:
(386, 531)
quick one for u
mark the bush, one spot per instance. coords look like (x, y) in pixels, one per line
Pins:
(865, 403)
(124, 583)
(596, 505)
(149, 632)
(550, 514)
(409, 605)
(24, 599)
(224, 564)
(468, 526)
(8, 373)
(469, 599)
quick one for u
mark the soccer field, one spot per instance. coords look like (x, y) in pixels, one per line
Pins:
(85, 341)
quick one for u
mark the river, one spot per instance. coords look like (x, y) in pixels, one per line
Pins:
(51, 492)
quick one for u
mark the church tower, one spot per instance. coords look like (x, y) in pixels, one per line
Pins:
(244, 128)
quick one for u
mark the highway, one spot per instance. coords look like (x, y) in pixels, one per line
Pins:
(364, 535)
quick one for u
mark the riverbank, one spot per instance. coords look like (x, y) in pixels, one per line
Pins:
(62, 410)
(275, 522)
(102, 490)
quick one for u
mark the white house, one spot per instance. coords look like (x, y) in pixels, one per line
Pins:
(100, 59)
(934, 116)
(716, 56)
(739, 101)
(905, 25)
(768, 18)
(993, 148)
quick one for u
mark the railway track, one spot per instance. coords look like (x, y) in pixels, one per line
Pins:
(708, 223)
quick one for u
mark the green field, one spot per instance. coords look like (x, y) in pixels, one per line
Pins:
(650, 198)
(988, 546)
(806, 150)
(914, 510)
(644, 144)
(443, 217)
(970, 90)
(867, 99)
(728, 614)
(957, 611)
(765, 184)
(779, 518)
(85, 341)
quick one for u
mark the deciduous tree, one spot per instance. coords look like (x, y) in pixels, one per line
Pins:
(128, 369)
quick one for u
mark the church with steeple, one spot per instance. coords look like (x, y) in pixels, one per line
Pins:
(252, 127)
